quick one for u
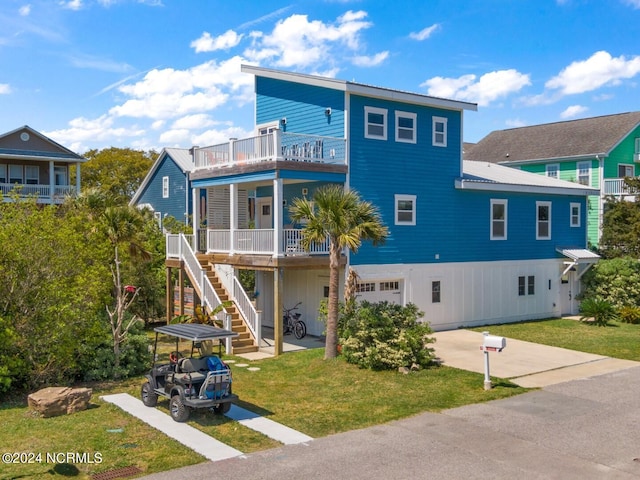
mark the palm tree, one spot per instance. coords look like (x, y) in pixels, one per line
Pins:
(347, 221)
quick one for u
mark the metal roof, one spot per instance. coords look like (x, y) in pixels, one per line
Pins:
(578, 254)
(195, 332)
(489, 176)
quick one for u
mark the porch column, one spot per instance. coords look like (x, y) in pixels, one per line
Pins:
(233, 216)
(277, 217)
(195, 197)
(52, 180)
(77, 179)
(169, 299)
(278, 276)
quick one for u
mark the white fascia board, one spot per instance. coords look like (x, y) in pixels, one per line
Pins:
(42, 158)
(297, 77)
(590, 156)
(509, 187)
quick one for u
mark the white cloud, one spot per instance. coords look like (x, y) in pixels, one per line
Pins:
(72, 4)
(215, 137)
(25, 10)
(633, 3)
(597, 71)
(5, 89)
(298, 42)
(573, 111)
(200, 120)
(514, 123)
(370, 61)
(207, 43)
(175, 136)
(425, 32)
(484, 90)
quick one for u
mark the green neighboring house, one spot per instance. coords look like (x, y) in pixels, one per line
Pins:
(599, 152)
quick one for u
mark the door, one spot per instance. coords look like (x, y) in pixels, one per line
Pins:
(568, 286)
(264, 213)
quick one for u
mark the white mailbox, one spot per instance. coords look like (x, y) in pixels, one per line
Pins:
(493, 343)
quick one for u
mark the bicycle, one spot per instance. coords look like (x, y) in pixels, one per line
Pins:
(292, 322)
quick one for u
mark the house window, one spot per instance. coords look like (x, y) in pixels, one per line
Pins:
(498, 219)
(575, 214)
(526, 285)
(366, 287)
(389, 286)
(405, 209)
(435, 291)
(637, 151)
(32, 174)
(625, 170)
(158, 217)
(439, 132)
(543, 220)
(553, 170)
(406, 127)
(15, 174)
(375, 123)
(584, 173)
(3, 174)
(165, 187)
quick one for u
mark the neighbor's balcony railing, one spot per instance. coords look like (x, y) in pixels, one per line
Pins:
(277, 145)
(617, 186)
(38, 191)
(261, 242)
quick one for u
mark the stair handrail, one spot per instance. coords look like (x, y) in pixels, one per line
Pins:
(238, 294)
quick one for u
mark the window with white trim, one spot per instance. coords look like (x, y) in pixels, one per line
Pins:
(405, 208)
(498, 219)
(439, 132)
(526, 285)
(575, 214)
(406, 127)
(375, 123)
(15, 174)
(553, 170)
(389, 286)
(435, 291)
(3, 173)
(165, 187)
(158, 217)
(543, 220)
(584, 173)
(625, 170)
(32, 174)
(637, 152)
(365, 287)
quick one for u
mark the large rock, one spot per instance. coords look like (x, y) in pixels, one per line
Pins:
(54, 401)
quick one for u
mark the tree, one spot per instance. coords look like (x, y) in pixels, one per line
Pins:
(116, 172)
(347, 220)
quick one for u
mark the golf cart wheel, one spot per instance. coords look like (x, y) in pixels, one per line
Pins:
(149, 397)
(178, 411)
(300, 329)
(222, 408)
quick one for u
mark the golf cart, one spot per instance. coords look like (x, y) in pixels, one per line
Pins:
(201, 381)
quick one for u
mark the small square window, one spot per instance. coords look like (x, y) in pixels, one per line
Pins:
(584, 173)
(553, 170)
(375, 123)
(543, 220)
(531, 285)
(498, 219)
(32, 174)
(575, 215)
(521, 286)
(405, 209)
(15, 174)
(439, 131)
(165, 187)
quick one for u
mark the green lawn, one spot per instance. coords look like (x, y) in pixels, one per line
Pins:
(299, 390)
(618, 340)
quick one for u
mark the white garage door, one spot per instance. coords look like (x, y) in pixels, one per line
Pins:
(379, 291)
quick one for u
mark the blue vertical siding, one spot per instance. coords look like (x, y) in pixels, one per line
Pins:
(177, 204)
(302, 105)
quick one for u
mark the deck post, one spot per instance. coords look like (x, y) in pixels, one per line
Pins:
(278, 275)
(169, 299)
(278, 213)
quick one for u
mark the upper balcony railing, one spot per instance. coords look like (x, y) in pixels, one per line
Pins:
(40, 192)
(273, 146)
(618, 187)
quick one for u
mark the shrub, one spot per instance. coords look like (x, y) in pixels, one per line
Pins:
(630, 314)
(599, 312)
(385, 336)
(616, 281)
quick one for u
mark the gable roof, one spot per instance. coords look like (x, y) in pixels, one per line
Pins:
(587, 137)
(359, 88)
(489, 176)
(25, 143)
(180, 156)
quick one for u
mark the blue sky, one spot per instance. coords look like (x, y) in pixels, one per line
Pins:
(166, 73)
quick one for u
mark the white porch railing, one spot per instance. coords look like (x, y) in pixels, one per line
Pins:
(38, 191)
(277, 145)
(292, 238)
(261, 241)
(617, 186)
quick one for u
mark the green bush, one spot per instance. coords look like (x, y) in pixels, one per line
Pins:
(599, 312)
(385, 336)
(630, 314)
(616, 281)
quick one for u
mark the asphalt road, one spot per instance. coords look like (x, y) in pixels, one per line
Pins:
(582, 429)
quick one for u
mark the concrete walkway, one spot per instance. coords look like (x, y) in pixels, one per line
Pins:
(524, 363)
(199, 441)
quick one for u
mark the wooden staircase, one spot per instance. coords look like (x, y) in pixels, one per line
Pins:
(244, 342)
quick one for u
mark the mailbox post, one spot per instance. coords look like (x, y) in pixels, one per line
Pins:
(491, 343)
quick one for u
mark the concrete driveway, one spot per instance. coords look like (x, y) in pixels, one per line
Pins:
(524, 363)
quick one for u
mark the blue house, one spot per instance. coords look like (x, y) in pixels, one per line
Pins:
(166, 189)
(470, 242)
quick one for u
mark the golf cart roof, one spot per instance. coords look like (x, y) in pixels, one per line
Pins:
(195, 332)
